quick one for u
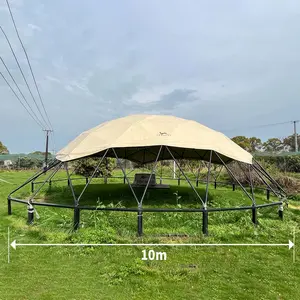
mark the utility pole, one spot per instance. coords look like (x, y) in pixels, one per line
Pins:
(295, 135)
(47, 142)
(174, 169)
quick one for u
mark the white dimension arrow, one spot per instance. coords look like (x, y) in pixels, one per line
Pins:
(14, 245)
(5, 181)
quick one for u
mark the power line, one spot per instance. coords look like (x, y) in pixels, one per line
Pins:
(20, 99)
(13, 79)
(54, 146)
(29, 64)
(17, 61)
(260, 126)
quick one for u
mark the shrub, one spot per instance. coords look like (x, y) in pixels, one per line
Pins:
(290, 163)
(27, 163)
(86, 167)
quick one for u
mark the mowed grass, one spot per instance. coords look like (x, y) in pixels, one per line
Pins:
(119, 272)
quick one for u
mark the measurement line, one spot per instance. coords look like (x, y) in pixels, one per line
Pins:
(8, 246)
(294, 250)
(5, 181)
(14, 244)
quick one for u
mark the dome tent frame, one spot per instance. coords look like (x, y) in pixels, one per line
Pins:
(161, 152)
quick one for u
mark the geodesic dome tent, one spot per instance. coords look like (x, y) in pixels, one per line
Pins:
(153, 138)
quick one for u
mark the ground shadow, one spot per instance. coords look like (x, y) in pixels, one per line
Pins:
(121, 195)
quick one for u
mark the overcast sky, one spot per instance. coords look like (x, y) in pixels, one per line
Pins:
(227, 64)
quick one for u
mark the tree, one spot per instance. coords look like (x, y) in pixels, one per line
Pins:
(252, 144)
(28, 163)
(289, 142)
(273, 145)
(243, 142)
(3, 149)
(40, 152)
(255, 144)
(86, 166)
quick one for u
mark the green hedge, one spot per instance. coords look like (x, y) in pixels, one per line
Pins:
(289, 163)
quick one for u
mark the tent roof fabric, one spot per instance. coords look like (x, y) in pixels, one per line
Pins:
(139, 137)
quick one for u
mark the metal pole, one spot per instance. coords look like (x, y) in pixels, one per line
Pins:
(186, 178)
(208, 177)
(160, 180)
(91, 178)
(254, 215)
(251, 184)
(205, 212)
(295, 136)
(259, 173)
(47, 146)
(124, 179)
(149, 179)
(106, 172)
(198, 173)
(280, 211)
(140, 222)
(140, 203)
(174, 170)
(46, 180)
(70, 184)
(30, 211)
(205, 222)
(267, 175)
(8, 207)
(233, 177)
(254, 209)
(124, 174)
(76, 218)
(35, 176)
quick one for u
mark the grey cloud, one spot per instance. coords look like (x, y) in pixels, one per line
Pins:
(170, 101)
(225, 64)
(114, 85)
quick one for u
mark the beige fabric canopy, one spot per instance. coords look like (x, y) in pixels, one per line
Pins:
(139, 137)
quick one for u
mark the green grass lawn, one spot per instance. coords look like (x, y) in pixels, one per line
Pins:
(119, 272)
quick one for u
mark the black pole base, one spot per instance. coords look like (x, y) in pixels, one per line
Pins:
(76, 218)
(205, 222)
(233, 186)
(32, 187)
(254, 215)
(280, 212)
(30, 212)
(215, 184)
(268, 194)
(140, 223)
(8, 207)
